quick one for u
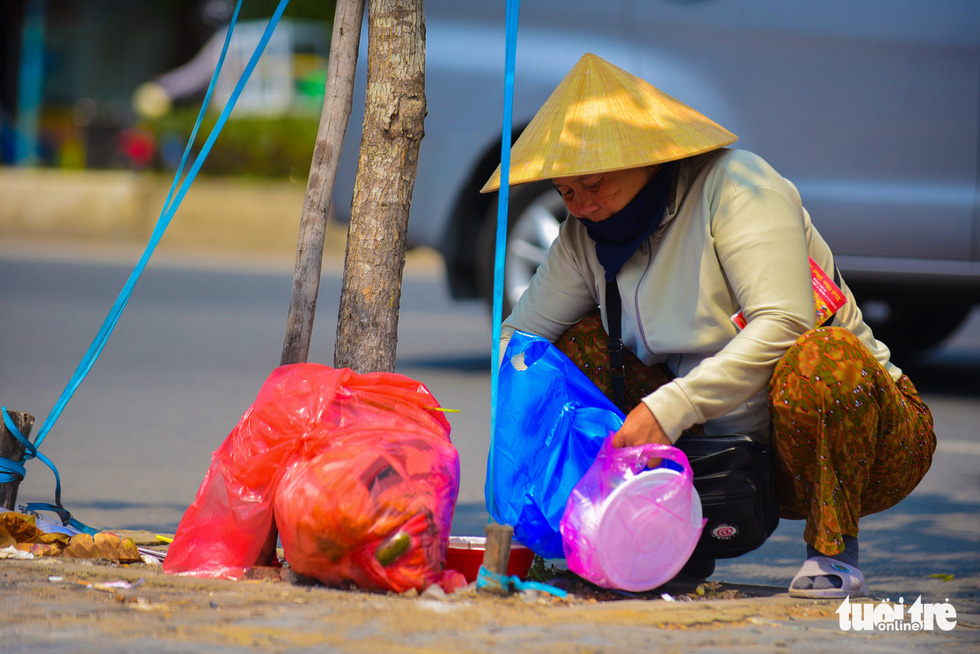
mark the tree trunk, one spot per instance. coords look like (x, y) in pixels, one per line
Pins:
(323, 172)
(367, 329)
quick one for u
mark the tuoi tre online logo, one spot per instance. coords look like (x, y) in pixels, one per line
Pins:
(885, 616)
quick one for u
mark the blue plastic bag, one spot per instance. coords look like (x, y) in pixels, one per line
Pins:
(551, 422)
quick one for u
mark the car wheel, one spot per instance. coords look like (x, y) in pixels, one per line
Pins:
(912, 325)
(535, 215)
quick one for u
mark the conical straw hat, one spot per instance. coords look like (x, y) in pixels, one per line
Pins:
(601, 118)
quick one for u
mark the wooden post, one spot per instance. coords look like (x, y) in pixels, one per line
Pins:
(13, 449)
(497, 555)
(323, 172)
(337, 101)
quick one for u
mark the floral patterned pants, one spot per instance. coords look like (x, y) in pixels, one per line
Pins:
(849, 440)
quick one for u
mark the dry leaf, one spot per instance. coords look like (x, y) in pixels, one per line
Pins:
(6, 539)
(111, 546)
(54, 538)
(81, 546)
(105, 545)
(21, 527)
(18, 530)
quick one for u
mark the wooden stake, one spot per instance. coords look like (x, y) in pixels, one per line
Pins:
(13, 449)
(337, 101)
(323, 173)
(497, 555)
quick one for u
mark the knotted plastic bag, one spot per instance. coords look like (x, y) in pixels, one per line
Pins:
(551, 422)
(629, 527)
(358, 471)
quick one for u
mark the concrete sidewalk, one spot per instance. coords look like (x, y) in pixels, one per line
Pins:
(218, 216)
(55, 605)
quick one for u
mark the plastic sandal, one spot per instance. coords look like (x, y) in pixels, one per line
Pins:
(852, 581)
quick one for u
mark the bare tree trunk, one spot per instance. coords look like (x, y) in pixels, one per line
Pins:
(323, 172)
(394, 115)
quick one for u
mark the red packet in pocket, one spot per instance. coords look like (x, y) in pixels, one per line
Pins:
(827, 297)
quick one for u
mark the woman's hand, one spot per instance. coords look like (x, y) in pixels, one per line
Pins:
(639, 428)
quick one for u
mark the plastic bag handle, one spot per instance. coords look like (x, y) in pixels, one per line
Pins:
(636, 456)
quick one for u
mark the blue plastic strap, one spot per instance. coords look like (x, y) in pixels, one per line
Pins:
(164, 221)
(172, 202)
(15, 471)
(503, 195)
(63, 513)
(511, 584)
(11, 471)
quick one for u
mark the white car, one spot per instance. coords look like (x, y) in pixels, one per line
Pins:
(869, 106)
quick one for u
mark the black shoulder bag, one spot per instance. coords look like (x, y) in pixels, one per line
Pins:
(734, 474)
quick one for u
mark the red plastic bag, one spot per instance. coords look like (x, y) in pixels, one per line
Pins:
(358, 470)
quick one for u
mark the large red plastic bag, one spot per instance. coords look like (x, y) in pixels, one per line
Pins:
(301, 412)
(629, 527)
(551, 422)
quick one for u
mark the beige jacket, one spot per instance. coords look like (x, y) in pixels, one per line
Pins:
(735, 237)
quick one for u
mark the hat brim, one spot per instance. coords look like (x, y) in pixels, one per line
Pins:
(601, 118)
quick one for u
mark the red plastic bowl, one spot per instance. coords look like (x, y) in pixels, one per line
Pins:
(465, 556)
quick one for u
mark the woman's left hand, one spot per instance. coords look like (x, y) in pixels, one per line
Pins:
(639, 428)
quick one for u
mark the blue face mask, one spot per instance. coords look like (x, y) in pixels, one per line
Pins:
(618, 237)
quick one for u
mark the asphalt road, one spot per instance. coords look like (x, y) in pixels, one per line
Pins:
(197, 340)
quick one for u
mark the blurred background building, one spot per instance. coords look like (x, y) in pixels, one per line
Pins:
(101, 84)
